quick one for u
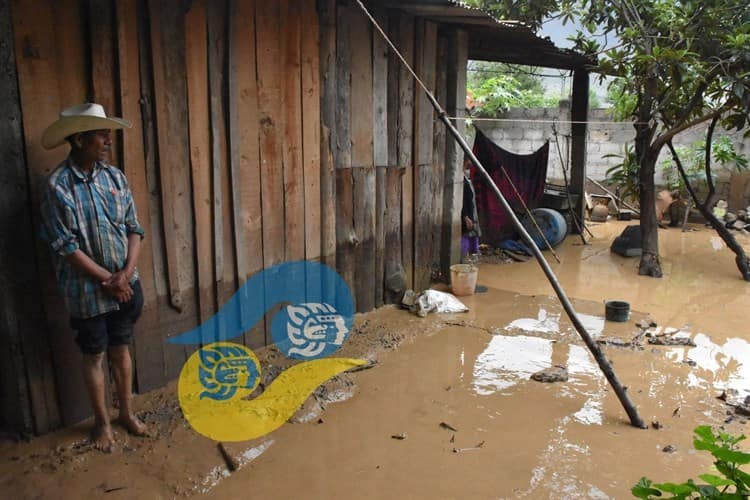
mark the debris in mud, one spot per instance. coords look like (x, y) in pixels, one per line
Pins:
(448, 426)
(432, 301)
(676, 412)
(646, 323)
(399, 437)
(473, 448)
(614, 341)
(690, 362)
(656, 425)
(555, 373)
(670, 448)
(671, 341)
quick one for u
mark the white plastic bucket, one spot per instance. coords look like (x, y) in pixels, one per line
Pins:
(463, 279)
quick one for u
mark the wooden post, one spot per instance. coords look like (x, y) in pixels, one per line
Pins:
(579, 111)
(458, 47)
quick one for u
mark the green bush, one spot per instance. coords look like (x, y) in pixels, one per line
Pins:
(729, 483)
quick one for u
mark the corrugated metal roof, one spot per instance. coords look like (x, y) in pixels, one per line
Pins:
(494, 39)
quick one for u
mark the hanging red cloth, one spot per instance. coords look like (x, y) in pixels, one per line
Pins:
(528, 173)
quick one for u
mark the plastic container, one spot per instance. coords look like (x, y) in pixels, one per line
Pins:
(616, 310)
(551, 222)
(463, 279)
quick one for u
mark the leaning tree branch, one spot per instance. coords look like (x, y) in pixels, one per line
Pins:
(707, 164)
(743, 263)
(662, 139)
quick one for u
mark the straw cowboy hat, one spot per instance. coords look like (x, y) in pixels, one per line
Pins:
(81, 118)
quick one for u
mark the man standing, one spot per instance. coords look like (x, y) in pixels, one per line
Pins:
(90, 221)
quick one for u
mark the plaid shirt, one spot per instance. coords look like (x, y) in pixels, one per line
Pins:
(92, 213)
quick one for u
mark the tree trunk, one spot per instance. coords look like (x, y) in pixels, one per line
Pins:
(650, 265)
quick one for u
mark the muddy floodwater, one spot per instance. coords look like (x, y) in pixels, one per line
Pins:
(449, 411)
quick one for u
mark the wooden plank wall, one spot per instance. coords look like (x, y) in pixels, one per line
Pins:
(264, 132)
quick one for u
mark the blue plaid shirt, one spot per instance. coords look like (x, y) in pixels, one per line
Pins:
(92, 213)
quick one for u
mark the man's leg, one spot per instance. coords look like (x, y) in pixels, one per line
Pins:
(122, 369)
(93, 375)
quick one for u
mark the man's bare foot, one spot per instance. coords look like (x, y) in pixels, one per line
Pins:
(101, 436)
(133, 425)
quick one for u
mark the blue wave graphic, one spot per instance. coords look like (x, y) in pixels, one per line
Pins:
(291, 283)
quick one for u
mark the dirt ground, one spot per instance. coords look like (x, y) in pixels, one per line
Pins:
(449, 410)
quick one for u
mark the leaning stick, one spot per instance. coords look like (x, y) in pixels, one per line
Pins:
(613, 195)
(602, 361)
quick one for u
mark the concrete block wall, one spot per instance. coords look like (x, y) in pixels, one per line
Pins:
(523, 131)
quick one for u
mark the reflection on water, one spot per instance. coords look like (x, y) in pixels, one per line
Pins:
(507, 360)
(549, 322)
(543, 323)
(719, 366)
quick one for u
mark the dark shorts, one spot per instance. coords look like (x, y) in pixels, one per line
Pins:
(114, 328)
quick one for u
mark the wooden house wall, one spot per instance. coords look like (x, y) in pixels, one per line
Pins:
(263, 132)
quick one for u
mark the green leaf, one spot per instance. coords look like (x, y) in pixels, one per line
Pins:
(682, 489)
(644, 490)
(705, 432)
(728, 455)
(717, 480)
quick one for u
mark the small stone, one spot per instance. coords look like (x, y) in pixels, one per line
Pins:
(656, 425)
(689, 362)
(555, 373)
(669, 449)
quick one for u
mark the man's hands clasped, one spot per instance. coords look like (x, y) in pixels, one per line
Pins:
(118, 286)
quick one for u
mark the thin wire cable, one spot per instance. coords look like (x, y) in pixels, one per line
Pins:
(529, 120)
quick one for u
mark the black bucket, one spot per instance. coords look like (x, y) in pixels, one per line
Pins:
(616, 310)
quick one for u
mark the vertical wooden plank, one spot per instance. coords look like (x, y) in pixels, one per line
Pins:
(244, 130)
(44, 36)
(393, 266)
(268, 39)
(380, 145)
(426, 45)
(311, 128)
(24, 406)
(328, 104)
(437, 180)
(102, 36)
(405, 146)
(346, 239)
(196, 67)
(291, 101)
(225, 263)
(362, 126)
(170, 99)
(456, 106)
(167, 28)
(148, 343)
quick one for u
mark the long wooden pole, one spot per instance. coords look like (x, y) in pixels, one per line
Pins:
(602, 361)
(613, 195)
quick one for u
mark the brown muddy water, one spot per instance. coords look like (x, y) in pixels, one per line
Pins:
(504, 436)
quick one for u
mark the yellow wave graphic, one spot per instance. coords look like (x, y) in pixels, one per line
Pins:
(240, 419)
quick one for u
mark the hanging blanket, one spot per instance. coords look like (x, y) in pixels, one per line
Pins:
(528, 173)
